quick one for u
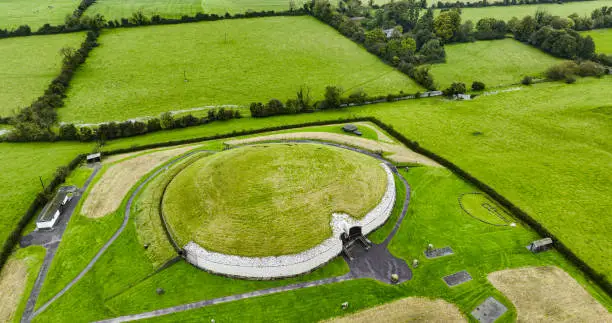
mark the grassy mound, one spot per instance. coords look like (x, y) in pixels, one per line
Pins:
(274, 199)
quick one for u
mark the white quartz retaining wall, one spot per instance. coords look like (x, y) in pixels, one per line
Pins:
(296, 264)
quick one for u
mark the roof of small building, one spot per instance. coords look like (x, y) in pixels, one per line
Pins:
(349, 127)
(542, 242)
(49, 210)
(93, 156)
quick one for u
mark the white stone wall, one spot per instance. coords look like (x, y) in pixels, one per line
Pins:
(296, 264)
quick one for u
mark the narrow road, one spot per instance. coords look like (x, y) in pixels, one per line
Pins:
(95, 259)
(50, 240)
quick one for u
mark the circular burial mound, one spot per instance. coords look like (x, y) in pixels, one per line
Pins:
(270, 200)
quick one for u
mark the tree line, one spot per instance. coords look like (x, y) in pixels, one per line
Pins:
(166, 121)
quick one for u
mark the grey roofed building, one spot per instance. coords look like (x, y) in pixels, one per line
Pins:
(388, 32)
(349, 127)
(51, 212)
(92, 158)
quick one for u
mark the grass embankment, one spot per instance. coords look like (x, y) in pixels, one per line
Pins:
(495, 62)
(34, 13)
(434, 217)
(220, 67)
(546, 148)
(506, 13)
(602, 38)
(28, 65)
(270, 200)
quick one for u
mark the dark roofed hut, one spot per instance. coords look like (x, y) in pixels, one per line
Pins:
(349, 128)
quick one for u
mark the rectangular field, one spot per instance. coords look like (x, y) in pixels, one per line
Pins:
(141, 71)
(117, 9)
(34, 13)
(582, 8)
(28, 65)
(603, 40)
(495, 62)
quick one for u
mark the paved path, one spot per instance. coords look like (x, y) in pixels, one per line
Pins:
(50, 239)
(231, 298)
(95, 259)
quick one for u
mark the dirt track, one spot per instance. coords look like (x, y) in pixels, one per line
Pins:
(12, 285)
(397, 153)
(418, 309)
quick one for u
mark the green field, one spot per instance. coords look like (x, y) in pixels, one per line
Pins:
(495, 62)
(34, 13)
(22, 164)
(221, 66)
(531, 134)
(506, 13)
(124, 282)
(603, 40)
(117, 9)
(270, 200)
(27, 67)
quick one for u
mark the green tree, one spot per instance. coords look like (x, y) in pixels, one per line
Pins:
(166, 120)
(447, 24)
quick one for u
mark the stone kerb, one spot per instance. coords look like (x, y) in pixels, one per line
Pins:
(296, 264)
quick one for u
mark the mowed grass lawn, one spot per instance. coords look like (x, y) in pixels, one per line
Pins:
(602, 38)
(270, 199)
(140, 71)
(27, 67)
(34, 13)
(506, 13)
(495, 62)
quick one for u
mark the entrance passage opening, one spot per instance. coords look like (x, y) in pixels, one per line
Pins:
(354, 242)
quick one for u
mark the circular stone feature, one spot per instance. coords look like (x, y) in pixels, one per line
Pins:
(270, 200)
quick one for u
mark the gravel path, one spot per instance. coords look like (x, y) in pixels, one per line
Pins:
(126, 217)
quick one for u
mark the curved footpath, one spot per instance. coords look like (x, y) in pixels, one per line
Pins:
(126, 217)
(384, 259)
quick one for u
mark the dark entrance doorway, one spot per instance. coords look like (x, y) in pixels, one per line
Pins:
(354, 242)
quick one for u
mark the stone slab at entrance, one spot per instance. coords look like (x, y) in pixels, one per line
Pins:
(489, 311)
(457, 278)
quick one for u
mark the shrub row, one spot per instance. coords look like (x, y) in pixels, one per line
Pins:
(484, 3)
(597, 277)
(41, 199)
(114, 130)
(78, 22)
(34, 123)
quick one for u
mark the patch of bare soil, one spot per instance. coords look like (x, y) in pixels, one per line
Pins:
(548, 294)
(398, 152)
(381, 135)
(107, 194)
(12, 285)
(417, 309)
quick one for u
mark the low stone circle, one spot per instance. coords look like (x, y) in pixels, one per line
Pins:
(296, 264)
